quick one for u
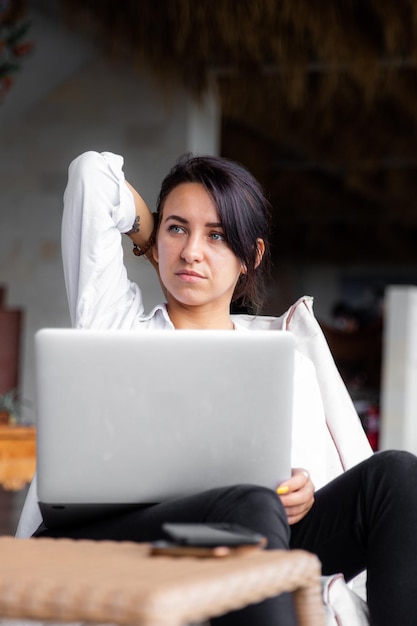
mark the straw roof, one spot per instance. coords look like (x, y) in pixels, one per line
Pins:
(319, 99)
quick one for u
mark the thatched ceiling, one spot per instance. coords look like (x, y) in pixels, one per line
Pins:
(319, 99)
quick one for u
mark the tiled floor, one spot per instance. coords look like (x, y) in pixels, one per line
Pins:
(11, 503)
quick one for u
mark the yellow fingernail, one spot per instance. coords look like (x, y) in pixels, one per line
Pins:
(282, 489)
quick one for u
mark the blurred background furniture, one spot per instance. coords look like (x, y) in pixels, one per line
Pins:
(17, 456)
(10, 337)
(399, 370)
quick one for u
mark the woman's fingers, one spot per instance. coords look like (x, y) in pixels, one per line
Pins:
(297, 495)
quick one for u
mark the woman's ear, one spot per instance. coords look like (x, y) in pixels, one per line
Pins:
(260, 250)
(260, 244)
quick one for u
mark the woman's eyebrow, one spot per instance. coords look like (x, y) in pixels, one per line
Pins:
(182, 220)
(176, 218)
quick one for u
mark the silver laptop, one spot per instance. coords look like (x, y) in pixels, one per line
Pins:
(127, 418)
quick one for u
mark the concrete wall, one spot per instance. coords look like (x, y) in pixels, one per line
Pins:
(96, 106)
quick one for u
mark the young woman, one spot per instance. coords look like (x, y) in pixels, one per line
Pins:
(208, 243)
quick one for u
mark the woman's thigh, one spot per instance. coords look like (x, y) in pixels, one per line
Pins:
(247, 505)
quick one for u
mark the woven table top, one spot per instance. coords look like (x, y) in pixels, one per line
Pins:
(109, 582)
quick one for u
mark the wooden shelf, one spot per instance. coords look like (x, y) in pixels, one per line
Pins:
(17, 456)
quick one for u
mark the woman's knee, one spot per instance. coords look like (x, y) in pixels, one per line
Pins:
(257, 508)
(395, 463)
(260, 498)
(393, 471)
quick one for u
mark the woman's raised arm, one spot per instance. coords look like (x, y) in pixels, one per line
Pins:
(143, 227)
(98, 209)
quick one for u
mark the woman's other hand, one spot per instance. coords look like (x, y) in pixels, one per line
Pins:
(297, 494)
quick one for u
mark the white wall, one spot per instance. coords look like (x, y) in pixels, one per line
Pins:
(96, 106)
(58, 53)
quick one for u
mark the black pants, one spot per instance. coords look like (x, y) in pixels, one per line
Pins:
(366, 518)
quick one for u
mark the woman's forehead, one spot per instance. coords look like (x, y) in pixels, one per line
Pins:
(191, 200)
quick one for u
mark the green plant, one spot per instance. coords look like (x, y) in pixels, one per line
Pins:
(10, 404)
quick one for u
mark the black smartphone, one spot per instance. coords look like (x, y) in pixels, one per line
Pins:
(207, 540)
(209, 535)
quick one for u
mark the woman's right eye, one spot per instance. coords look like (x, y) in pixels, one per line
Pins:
(174, 228)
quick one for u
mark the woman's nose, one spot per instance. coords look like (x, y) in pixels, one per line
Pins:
(192, 250)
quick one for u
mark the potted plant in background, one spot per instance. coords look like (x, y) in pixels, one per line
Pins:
(9, 408)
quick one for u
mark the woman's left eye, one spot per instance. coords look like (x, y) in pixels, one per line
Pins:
(217, 236)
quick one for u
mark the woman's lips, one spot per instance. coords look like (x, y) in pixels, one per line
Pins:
(189, 276)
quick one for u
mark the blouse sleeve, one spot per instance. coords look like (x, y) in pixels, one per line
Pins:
(98, 208)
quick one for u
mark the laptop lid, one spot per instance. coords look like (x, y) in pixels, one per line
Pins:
(129, 417)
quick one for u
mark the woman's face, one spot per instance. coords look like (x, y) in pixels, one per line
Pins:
(196, 265)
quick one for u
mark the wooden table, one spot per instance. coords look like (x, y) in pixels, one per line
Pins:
(120, 583)
(17, 456)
